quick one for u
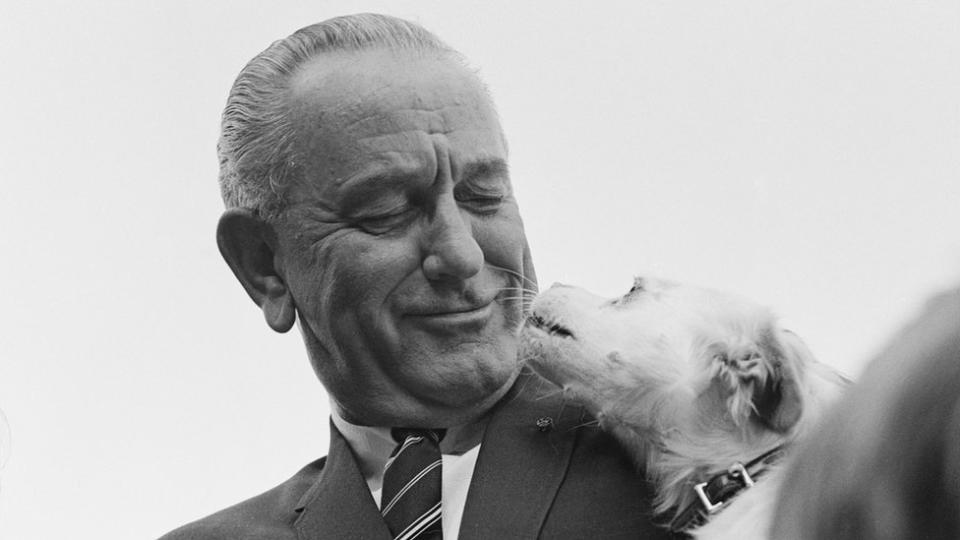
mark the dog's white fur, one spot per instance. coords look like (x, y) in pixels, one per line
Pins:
(690, 380)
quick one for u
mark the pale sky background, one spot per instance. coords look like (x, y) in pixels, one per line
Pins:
(802, 153)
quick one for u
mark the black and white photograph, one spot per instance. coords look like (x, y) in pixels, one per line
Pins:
(480, 270)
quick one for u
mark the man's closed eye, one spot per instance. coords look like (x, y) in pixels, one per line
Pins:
(384, 223)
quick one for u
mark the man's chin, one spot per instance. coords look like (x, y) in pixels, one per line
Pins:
(469, 405)
(471, 381)
(426, 401)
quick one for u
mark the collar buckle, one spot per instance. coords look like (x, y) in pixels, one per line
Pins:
(737, 470)
(711, 508)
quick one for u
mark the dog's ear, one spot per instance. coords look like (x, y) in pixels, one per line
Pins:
(759, 380)
(778, 401)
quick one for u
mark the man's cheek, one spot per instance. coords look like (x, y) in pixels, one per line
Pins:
(501, 238)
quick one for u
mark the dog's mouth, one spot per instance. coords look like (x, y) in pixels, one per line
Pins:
(550, 327)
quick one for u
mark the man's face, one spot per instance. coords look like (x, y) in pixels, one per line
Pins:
(402, 244)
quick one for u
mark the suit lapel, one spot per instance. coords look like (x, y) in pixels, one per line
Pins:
(339, 504)
(518, 473)
(521, 464)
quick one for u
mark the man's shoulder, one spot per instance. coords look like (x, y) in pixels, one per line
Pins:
(269, 515)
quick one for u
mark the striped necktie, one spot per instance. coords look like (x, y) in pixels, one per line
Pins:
(410, 500)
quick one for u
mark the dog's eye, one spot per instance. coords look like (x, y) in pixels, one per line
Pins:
(635, 289)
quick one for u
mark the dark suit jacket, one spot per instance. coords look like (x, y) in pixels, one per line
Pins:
(568, 480)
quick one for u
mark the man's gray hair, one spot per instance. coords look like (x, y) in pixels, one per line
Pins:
(256, 135)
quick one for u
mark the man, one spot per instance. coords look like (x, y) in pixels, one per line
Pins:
(365, 175)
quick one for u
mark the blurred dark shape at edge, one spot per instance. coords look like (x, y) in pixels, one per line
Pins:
(885, 464)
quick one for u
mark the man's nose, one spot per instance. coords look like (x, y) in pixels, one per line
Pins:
(451, 252)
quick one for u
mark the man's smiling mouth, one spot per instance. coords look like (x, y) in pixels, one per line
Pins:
(462, 318)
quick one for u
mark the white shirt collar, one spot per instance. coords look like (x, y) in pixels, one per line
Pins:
(372, 446)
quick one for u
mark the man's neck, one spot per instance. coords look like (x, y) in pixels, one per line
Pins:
(376, 440)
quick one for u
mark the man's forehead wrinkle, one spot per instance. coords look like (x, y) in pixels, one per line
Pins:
(465, 145)
(442, 119)
(382, 100)
(398, 120)
(398, 158)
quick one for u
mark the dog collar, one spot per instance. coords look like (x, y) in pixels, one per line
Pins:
(716, 492)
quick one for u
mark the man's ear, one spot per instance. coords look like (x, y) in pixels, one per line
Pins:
(248, 244)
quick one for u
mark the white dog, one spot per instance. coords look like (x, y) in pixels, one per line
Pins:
(704, 388)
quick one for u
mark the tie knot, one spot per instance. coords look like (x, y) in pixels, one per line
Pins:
(401, 435)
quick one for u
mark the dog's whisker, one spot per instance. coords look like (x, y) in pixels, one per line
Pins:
(523, 295)
(519, 290)
(589, 423)
(513, 298)
(523, 279)
(549, 393)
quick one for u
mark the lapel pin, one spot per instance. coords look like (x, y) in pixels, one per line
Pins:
(544, 423)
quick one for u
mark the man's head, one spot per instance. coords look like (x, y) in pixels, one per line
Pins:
(365, 175)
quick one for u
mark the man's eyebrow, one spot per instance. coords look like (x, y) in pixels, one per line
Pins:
(375, 174)
(484, 168)
(363, 188)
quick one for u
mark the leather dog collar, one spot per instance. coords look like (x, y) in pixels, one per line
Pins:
(713, 494)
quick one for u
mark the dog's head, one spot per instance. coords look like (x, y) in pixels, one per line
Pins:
(669, 358)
